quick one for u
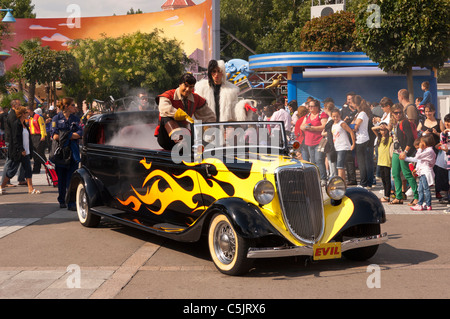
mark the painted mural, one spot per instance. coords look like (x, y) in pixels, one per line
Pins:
(191, 25)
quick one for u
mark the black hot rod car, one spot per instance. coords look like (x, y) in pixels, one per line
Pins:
(237, 183)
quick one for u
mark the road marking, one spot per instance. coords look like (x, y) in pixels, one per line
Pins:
(125, 272)
(10, 225)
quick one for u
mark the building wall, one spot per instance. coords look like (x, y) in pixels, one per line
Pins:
(372, 89)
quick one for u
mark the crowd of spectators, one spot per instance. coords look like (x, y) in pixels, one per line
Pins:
(403, 144)
(386, 140)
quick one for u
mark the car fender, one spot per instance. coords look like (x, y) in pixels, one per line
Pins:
(92, 188)
(368, 208)
(247, 218)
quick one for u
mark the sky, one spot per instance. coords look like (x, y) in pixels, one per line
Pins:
(94, 8)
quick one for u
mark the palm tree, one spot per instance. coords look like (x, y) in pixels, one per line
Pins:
(23, 49)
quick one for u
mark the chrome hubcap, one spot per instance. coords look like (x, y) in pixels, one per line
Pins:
(82, 204)
(224, 243)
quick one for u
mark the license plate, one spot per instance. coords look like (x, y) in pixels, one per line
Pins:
(327, 251)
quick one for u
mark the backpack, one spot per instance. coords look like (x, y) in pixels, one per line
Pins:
(413, 129)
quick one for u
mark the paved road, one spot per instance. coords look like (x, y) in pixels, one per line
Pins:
(47, 254)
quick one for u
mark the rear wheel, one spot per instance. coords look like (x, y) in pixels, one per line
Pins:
(85, 216)
(359, 231)
(228, 250)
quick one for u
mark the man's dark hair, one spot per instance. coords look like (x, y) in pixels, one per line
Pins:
(187, 78)
(447, 118)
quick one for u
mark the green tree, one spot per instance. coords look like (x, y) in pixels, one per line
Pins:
(262, 25)
(410, 33)
(131, 11)
(21, 8)
(113, 66)
(333, 33)
(27, 49)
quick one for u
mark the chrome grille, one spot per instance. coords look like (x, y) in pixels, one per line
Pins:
(301, 201)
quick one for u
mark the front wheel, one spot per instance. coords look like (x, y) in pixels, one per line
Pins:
(363, 253)
(85, 216)
(228, 250)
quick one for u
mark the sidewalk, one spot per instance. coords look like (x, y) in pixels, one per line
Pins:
(95, 282)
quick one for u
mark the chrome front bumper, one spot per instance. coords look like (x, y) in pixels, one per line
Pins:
(308, 250)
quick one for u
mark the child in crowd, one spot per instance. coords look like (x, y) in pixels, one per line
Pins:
(425, 86)
(384, 141)
(442, 168)
(425, 159)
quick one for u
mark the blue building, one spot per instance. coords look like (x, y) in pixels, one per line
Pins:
(334, 74)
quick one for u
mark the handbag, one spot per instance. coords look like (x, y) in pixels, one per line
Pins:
(324, 147)
(60, 155)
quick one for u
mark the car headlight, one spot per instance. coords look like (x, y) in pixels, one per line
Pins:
(336, 188)
(264, 192)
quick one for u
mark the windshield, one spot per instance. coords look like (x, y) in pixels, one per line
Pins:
(260, 137)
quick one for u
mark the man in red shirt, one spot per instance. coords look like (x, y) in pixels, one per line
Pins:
(176, 109)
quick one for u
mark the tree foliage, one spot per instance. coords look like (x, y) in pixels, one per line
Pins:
(21, 8)
(333, 33)
(411, 33)
(263, 25)
(45, 66)
(113, 66)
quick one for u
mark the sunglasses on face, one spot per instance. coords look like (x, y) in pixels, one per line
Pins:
(396, 113)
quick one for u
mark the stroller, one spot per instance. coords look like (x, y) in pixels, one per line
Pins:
(50, 171)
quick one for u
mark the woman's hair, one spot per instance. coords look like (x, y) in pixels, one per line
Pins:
(329, 106)
(212, 65)
(385, 101)
(293, 104)
(66, 102)
(302, 111)
(362, 105)
(395, 108)
(315, 103)
(20, 110)
(380, 136)
(357, 99)
(365, 107)
(429, 106)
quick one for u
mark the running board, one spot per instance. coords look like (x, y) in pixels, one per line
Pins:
(118, 216)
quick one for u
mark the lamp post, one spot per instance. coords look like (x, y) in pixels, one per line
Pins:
(8, 16)
(4, 55)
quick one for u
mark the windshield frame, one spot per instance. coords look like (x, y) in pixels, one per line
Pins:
(200, 130)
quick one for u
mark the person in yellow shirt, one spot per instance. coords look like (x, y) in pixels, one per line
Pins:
(38, 136)
(384, 141)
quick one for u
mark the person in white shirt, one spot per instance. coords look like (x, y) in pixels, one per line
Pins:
(342, 143)
(282, 115)
(361, 130)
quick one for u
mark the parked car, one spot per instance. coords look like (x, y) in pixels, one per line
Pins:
(237, 183)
